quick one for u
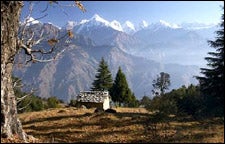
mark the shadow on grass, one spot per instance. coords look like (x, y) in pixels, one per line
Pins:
(195, 131)
(104, 126)
(191, 138)
(102, 123)
(82, 136)
(57, 136)
(56, 118)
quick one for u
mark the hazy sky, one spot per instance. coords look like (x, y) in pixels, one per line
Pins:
(134, 11)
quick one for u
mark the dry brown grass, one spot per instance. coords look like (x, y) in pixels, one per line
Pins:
(127, 125)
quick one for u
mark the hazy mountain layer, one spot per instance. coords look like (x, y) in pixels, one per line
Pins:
(142, 56)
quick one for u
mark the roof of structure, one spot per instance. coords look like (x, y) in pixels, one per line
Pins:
(93, 96)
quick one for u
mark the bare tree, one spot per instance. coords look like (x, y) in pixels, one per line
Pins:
(12, 41)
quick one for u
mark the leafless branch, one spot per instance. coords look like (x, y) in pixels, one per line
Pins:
(19, 109)
(16, 84)
(45, 9)
(23, 97)
(28, 39)
(19, 99)
(80, 6)
(76, 4)
(31, 43)
(26, 21)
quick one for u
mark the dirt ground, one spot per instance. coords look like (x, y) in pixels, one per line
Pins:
(128, 125)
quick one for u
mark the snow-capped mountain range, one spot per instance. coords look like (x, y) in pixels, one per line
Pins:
(129, 28)
(32, 21)
(142, 51)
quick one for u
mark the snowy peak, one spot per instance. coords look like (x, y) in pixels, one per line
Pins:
(31, 21)
(116, 25)
(97, 18)
(84, 21)
(70, 25)
(143, 24)
(163, 24)
(54, 25)
(128, 27)
(167, 24)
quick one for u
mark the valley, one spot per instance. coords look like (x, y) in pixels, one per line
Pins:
(141, 55)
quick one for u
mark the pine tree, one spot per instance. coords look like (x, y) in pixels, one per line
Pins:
(212, 83)
(103, 78)
(120, 91)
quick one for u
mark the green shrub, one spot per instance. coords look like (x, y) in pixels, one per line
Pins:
(73, 103)
(53, 102)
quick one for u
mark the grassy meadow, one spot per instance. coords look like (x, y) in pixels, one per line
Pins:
(128, 125)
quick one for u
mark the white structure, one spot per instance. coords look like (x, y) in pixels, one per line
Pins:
(99, 99)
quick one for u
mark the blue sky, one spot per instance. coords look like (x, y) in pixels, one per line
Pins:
(134, 11)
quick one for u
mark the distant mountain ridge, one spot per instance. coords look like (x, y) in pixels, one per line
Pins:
(128, 26)
(142, 55)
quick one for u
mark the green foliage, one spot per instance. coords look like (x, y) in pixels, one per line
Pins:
(30, 103)
(53, 102)
(161, 83)
(132, 101)
(73, 103)
(119, 88)
(190, 101)
(103, 78)
(121, 92)
(162, 104)
(27, 102)
(212, 83)
(145, 101)
(180, 101)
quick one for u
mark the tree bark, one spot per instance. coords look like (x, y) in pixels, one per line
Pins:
(10, 14)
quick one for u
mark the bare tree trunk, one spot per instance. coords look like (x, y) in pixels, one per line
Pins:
(10, 14)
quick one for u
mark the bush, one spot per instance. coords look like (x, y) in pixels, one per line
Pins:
(182, 101)
(73, 103)
(145, 101)
(37, 104)
(30, 103)
(162, 104)
(53, 102)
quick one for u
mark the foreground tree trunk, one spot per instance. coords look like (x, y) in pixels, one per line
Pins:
(10, 14)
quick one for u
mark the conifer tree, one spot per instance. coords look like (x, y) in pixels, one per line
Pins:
(212, 81)
(120, 91)
(103, 78)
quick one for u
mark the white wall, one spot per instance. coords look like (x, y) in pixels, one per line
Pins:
(106, 104)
